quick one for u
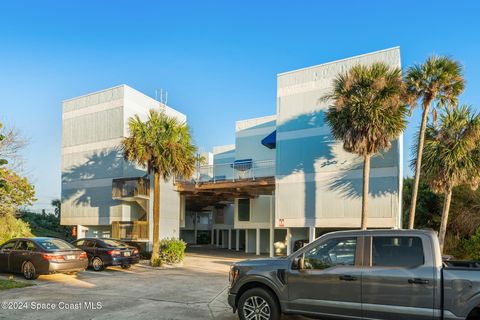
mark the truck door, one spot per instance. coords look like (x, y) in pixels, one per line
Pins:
(329, 282)
(397, 283)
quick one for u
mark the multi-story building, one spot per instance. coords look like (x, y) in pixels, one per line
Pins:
(285, 179)
(102, 194)
(289, 179)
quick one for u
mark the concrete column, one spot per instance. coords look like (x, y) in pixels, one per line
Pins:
(272, 230)
(213, 236)
(311, 234)
(246, 240)
(237, 239)
(195, 228)
(289, 242)
(218, 238)
(229, 239)
(257, 247)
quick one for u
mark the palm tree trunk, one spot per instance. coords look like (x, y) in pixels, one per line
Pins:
(156, 218)
(446, 211)
(421, 140)
(366, 177)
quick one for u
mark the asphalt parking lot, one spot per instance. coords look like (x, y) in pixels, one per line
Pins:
(197, 290)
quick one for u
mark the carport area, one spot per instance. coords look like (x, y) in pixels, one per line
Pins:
(197, 290)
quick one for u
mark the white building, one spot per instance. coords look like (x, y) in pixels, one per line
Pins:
(102, 194)
(289, 179)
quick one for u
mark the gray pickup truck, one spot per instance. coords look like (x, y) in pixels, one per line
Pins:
(373, 274)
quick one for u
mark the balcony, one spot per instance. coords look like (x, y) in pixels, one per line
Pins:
(130, 230)
(130, 189)
(244, 169)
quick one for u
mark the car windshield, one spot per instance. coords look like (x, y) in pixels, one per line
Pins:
(114, 243)
(55, 244)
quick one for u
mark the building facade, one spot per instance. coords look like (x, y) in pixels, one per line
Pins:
(290, 180)
(102, 194)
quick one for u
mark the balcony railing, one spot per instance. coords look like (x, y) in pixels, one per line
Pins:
(130, 230)
(245, 169)
(138, 187)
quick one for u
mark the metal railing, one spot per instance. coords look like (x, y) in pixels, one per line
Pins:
(130, 230)
(238, 170)
(130, 187)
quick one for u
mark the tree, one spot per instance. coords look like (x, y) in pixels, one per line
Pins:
(367, 113)
(2, 161)
(57, 204)
(162, 145)
(438, 80)
(451, 156)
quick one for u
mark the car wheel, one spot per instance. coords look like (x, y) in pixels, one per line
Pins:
(29, 271)
(126, 266)
(97, 264)
(258, 304)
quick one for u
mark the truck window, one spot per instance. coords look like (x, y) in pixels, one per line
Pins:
(340, 251)
(404, 252)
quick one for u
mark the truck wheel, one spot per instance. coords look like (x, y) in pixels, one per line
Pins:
(29, 271)
(258, 304)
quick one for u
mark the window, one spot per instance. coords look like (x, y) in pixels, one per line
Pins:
(404, 252)
(334, 252)
(243, 209)
(79, 243)
(26, 245)
(9, 245)
(55, 244)
(89, 243)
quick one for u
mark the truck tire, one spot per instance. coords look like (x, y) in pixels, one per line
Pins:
(258, 303)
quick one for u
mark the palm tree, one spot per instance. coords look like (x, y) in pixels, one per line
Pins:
(451, 156)
(439, 80)
(164, 146)
(367, 113)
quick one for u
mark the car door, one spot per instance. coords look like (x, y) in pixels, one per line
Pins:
(329, 282)
(397, 282)
(22, 252)
(5, 252)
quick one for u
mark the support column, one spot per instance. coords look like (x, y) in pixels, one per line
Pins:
(229, 239)
(218, 238)
(311, 234)
(213, 236)
(289, 242)
(272, 230)
(195, 234)
(257, 247)
(246, 240)
(237, 239)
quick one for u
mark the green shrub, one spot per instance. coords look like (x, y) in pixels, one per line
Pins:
(471, 246)
(11, 227)
(171, 251)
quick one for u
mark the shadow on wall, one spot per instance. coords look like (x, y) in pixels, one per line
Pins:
(108, 165)
(306, 152)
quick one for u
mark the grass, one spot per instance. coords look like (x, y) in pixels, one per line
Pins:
(12, 284)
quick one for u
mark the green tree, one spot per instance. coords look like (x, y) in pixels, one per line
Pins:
(367, 113)
(451, 156)
(163, 145)
(57, 204)
(2, 162)
(439, 80)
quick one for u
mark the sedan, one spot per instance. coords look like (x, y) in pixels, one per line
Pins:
(35, 256)
(104, 252)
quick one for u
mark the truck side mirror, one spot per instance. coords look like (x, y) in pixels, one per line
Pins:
(297, 263)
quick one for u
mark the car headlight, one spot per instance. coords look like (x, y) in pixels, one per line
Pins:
(233, 274)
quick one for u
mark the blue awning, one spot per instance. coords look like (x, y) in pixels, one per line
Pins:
(242, 165)
(270, 141)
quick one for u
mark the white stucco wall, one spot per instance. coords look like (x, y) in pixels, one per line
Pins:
(317, 182)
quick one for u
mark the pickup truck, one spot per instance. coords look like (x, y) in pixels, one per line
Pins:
(371, 274)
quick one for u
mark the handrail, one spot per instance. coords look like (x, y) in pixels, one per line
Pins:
(231, 171)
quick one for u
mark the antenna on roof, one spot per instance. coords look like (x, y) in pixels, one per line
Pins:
(163, 96)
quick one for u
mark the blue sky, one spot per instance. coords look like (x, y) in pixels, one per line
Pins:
(217, 59)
